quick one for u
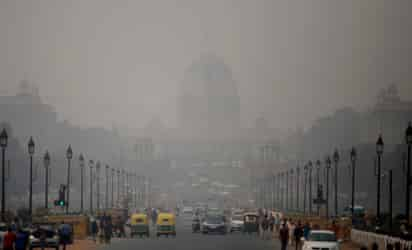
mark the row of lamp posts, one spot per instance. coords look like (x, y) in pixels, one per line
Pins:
(285, 177)
(69, 156)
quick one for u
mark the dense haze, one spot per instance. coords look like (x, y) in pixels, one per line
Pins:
(102, 62)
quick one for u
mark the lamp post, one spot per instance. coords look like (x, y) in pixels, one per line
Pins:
(379, 151)
(336, 160)
(113, 173)
(91, 163)
(305, 168)
(318, 166)
(353, 156)
(291, 189)
(3, 145)
(98, 185)
(297, 188)
(107, 186)
(46, 161)
(328, 163)
(287, 191)
(81, 163)
(118, 186)
(408, 137)
(69, 155)
(31, 152)
(310, 167)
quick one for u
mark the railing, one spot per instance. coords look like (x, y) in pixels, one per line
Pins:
(367, 239)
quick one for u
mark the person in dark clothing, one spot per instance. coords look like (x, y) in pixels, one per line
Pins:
(93, 230)
(271, 223)
(265, 227)
(108, 230)
(21, 240)
(284, 236)
(298, 234)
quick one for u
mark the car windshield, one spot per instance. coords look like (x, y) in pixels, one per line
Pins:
(328, 237)
(214, 220)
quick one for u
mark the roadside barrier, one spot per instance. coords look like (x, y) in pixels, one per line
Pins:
(365, 238)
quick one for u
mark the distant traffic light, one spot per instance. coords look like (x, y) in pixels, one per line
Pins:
(61, 201)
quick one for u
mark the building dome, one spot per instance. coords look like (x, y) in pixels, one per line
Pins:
(209, 98)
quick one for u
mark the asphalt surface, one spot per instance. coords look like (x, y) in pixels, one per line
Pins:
(186, 240)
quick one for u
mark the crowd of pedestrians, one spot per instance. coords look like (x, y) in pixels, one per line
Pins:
(289, 232)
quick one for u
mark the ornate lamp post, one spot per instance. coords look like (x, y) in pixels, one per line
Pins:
(107, 187)
(305, 168)
(318, 187)
(287, 190)
(81, 163)
(31, 152)
(379, 152)
(113, 173)
(291, 189)
(310, 167)
(91, 163)
(69, 156)
(328, 163)
(98, 185)
(408, 137)
(353, 156)
(118, 186)
(3, 145)
(336, 160)
(46, 161)
(297, 188)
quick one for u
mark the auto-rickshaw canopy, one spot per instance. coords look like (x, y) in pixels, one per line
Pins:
(138, 219)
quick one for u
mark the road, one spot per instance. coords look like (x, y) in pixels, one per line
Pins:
(186, 240)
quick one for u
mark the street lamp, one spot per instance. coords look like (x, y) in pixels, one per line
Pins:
(46, 161)
(118, 186)
(107, 186)
(408, 137)
(69, 156)
(328, 163)
(310, 167)
(353, 156)
(336, 160)
(297, 188)
(81, 163)
(318, 187)
(113, 173)
(31, 152)
(291, 189)
(305, 168)
(379, 152)
(3, 145)
(91, 163)
(287, 191)
(98, 185)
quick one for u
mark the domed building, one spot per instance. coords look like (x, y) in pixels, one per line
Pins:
(209, 101)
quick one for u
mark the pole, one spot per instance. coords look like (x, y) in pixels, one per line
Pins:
(68, 186)
(31, 187)
(91, 190)
(353, 188)
(98, 188)
(378, 200)
(81, 188)
(287, 191)
(327, 191)
(118, 187)
(408, 185)
(46, 190)
(304, 192)
(336, 189)
(112, 189)
(297, 189)
(3, 186)
(107, 188)
(390, 199)
(318, 187)
(310, 190)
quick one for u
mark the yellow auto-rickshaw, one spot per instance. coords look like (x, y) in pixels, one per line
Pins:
(139, 225)
(166, 224)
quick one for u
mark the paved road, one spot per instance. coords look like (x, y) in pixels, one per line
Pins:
(186, 240)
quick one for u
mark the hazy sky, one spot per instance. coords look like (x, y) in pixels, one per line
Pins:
(101, 61)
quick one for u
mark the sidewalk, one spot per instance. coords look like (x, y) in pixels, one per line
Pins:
(82, 245)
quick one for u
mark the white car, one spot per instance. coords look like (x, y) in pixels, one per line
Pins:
(321, 240)
(236, 223)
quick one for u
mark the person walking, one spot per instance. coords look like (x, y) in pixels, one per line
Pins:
(306, 230)
(284, 236)
(265, 227)
(9, 240)
(21, 240)
(108, 228)
(277, 223)
(298, 234)
(271, 224)
(93, 229)
(291, 227)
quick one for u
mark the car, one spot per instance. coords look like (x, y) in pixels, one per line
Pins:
(214, 224)
(236, 223)
(44, 235)
(321, 240)
(187, 212)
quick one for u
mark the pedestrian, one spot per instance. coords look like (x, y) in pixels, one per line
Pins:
(298, 234)
(284, 236)
(9, 239)
(306, 230)
(265, 227)
(271, 224)
(21, 239)
(108, 231)
(291, 232)
(65, 233)
(101, 230)
(277, 223)
(93, 229)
